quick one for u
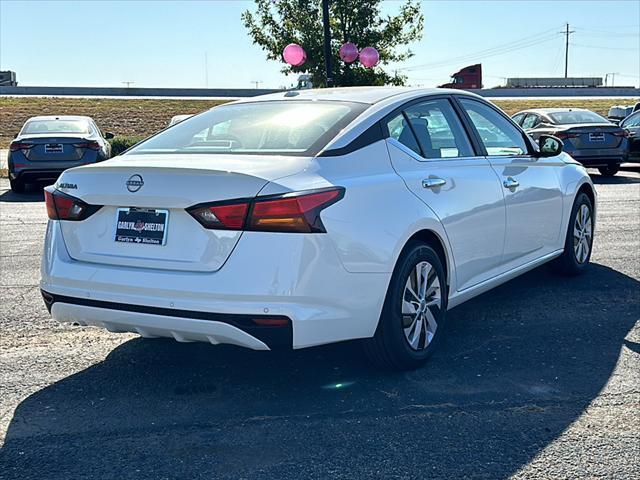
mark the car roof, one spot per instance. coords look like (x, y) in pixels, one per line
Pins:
(368, 95)
(60, 117)
(545, 111)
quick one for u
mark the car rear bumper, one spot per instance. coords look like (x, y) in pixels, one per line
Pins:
(269, 275)
(258, 332)
(36, 175)
(599, 160)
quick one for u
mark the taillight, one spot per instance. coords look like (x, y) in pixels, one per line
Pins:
(565, 135)
(61, 206)
(621, 133)
(291, 212)
(93, 145)
(15, 146)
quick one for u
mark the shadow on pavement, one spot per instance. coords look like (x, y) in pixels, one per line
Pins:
(618, 179)
(518, 366)
(33, 193)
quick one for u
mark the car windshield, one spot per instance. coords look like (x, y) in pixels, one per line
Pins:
(56, 126)
(265, 128)
(577, 116)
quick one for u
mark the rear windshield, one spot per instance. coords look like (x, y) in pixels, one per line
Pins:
(577, 116)
(56, 126)
(265, 128)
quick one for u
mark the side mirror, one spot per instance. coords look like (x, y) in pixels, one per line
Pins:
(550, 146)
(109, 135)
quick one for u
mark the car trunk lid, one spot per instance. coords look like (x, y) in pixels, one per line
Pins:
(163, 185)
(597, 135)
(58, 147)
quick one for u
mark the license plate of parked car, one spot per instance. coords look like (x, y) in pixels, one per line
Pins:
(596, 137)
(53, 148)
(141, 226)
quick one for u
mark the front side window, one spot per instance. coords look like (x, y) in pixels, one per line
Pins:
(55, 126)
(264, 128)
(518, 118)
(438, 130)
(499, 136)
(632, 121)
(531, 121)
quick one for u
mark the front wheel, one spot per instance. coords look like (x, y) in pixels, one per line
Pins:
(579, 240)
(414, 312)
(609, 170)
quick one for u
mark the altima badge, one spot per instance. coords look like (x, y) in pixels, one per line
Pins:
(134, 183)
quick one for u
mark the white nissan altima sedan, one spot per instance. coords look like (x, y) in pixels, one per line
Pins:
(304, 218)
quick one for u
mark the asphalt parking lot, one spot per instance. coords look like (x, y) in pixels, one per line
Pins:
(539, 378)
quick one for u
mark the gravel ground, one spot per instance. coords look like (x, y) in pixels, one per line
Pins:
(539, 378)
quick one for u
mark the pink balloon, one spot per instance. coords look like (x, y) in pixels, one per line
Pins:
(294, 54)
(369, 57)
(348, 52)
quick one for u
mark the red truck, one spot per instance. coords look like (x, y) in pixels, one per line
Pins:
(468, 77)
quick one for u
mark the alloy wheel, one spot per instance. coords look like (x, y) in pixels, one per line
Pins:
(421, 305)
(582, 233)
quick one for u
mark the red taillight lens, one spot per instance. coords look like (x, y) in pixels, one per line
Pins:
(90, 145)
(621, 133)
(298, 212)
(292, 212)
(222, 217)
(15, 146)
(564, 135)
(61, 206)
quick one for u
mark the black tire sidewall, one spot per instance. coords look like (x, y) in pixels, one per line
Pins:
(392, 319)
(581, 199)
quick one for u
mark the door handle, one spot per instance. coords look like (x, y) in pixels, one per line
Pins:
(433, 182)
(511, 183)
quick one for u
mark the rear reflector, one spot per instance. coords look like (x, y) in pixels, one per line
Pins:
(15, 146)
(291, 212)
(61, 206)
(271, 321)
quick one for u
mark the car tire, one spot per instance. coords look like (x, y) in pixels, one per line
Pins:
(609, 170)
(16, 185)
(579, 239)
(412, 321)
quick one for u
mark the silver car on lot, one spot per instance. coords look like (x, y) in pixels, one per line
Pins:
(589, 138)
(48, 145)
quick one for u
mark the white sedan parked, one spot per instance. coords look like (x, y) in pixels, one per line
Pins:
(305, 218)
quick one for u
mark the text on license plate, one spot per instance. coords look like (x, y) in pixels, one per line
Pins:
(596, 137)
(142, 226)
(53, 148)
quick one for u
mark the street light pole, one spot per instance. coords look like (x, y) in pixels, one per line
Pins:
(327, 43)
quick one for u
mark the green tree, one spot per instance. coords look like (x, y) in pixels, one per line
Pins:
(276, 23)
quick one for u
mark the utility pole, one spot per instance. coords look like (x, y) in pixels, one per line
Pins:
(257, 82)
(566, 33)
(613, 78)
(128, 84)
(327, 42)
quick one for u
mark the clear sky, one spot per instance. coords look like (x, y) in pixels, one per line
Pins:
(164, 43)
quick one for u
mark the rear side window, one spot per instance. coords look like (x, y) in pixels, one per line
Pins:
(577, 116)
(498, 135)
(400, 130)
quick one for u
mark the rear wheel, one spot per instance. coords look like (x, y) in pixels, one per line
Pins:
(17, 185)
(609, 170)
(414, 312)
(579, 240)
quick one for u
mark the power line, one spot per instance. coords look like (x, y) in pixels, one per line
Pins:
(604, 48)
(501, 49)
